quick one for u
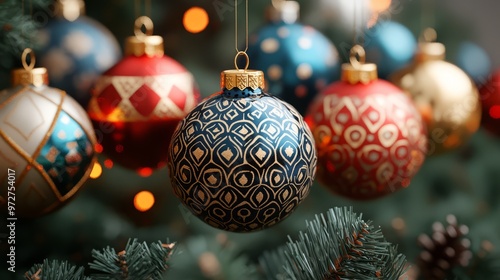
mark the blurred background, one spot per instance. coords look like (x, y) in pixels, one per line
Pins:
(118, 203)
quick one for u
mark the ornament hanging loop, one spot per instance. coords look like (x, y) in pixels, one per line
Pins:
(241, 53)
(148, 25)
(357, 56)
(429, 35)
(24, 59)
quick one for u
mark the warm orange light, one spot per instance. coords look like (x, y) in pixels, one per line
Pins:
(379, 6)
(143, 201)
(96, 171)
(195, 20)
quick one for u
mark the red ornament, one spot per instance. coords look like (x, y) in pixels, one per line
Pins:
(369, 136)
(490, 99)
(137, 104)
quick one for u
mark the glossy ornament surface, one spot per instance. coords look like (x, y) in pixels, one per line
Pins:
(445, 96)
(391, 46)
(474, 60)
(298, 61)
(76, 49)
(137, 104)
(46, 143)
(242, 160)
(490, 100)
(369, 136)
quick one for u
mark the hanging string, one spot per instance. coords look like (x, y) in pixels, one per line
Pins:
(358, 37)
(236, 26)
(138, 10)
(428, 19)
(30, 43)
(238, 51)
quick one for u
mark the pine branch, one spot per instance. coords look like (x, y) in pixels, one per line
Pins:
(17, 27)
(138, 261)
(338, 246)
(55, 270)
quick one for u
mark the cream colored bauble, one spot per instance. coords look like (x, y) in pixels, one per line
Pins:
(46, 145)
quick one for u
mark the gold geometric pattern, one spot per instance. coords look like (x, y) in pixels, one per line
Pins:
(20, 147)
(238, 170)
(127, 86)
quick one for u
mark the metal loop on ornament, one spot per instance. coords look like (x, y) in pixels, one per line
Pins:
(357, 56)
(147, 23)
(428, 35)
(24, 58)
(241, 53)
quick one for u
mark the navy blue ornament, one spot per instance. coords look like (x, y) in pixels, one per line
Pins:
(474, 61)
(242, 160)
(297, 60)
(391, 46)
(76, 52)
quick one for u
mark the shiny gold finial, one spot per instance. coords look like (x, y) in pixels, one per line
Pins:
(428, 48)
(357, 71)
(242, 78)
(144, 43)
(29, 75)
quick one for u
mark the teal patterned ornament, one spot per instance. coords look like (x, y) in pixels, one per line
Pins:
(46, 143)
(297, 59)
(242, 160)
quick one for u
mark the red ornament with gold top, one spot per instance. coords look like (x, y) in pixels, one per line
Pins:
(490, 100)
(137, 104)
(369, 136)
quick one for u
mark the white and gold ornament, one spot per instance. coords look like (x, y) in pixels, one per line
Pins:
(46, 143)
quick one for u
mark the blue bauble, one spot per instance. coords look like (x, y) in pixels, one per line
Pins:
(76, 53)
(391, 46)
(242, 160)
(474, 61)
(298, 61)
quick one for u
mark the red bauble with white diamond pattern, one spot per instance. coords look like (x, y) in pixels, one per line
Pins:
(136, 106)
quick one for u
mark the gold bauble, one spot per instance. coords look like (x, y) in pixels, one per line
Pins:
(445, 96)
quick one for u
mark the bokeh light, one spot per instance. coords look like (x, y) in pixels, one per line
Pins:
(145, 172)
(108, 163)
(195, 20)
(96, 171)
(98, 148)
(143, 201)
(379, 6)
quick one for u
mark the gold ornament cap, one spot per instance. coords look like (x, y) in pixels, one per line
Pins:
(242, 78)
(282, 10)
(70, 9)
(357, 71)
(29, 75)
(428, 49)
(144, 43)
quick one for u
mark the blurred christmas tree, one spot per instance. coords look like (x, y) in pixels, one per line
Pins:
(108, 211)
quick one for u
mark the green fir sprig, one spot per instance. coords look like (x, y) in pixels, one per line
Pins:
(338, 245)
(56, 270)
(17, 32)
(139, 261)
